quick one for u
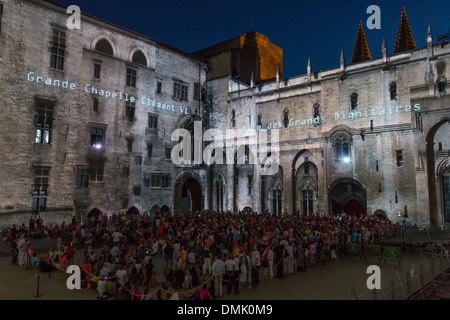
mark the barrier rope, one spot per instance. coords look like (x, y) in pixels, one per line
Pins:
(21, 286)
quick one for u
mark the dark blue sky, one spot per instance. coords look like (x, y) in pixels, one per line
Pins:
(302, 28)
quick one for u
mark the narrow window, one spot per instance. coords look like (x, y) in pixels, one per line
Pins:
(131, 78)
(196, 91)
(40, 187)
(233, 118)
(149, 150)
(371, 125)
(260, 120)
(95, 105)
(442, 84)
(286, 118)
(96, 172)
(126, 171)
(158, 87)
(168, 153)
(97, 68)
(130, 145)
(354, 101)
(58, 47)
(379, 188)
(316, 111)
(146, 183)
(130, 109)
(376, 166)
(393, 91)
(43, 121)
(137, 191)
(180, 91)
(396, 197)
(1, 14)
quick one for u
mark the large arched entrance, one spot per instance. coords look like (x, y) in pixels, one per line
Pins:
(188, 194)
(347, 195)
(133, 211)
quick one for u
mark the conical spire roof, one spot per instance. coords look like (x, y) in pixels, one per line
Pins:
(361, 51)
(405, 39)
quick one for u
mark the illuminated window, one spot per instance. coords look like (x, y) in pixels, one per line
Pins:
(442, 84)
(98, 137)
(58, 47)
(131, 78)
(342, 151)
(43, 121)
(40, 187)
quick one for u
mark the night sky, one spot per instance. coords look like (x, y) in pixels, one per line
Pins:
(316, 29)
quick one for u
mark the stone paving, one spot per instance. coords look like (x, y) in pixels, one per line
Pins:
(331, 281)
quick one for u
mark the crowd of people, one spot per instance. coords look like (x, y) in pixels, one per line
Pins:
(203, 253)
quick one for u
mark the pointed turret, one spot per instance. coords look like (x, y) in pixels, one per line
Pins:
(430, 42)
(384, 50)
(405, 39)
(342, 60)
(361, 51)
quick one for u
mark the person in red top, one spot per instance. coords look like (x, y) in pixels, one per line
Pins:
(70, 254)
(204, 293)
(160, 229)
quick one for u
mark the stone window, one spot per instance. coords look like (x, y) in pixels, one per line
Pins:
(57, 50)
(137, 191)
(130, 110)
(40, 187)
(43, 121)
(130, 145)
(399, 157)
(168, 153)
(354, 101)
(285, 118)
(138, 160)
(158, 87)
(82, 180)
(98, 137)
(156, 180)
(149, 150)
(180, 90)
(316, 110)
(131, 77)
(95, 105)
(259, 120)
(126, 171)
(393, 91)
(442, 84)
(96, 172)
(152, 121)
(233, 118)
(1, 14)
(146, 182)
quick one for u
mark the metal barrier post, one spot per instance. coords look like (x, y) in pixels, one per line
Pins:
(37, 291)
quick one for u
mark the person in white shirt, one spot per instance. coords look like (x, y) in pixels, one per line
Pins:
(218, 269)
(230, 268)
(116, 236)
(122, 275)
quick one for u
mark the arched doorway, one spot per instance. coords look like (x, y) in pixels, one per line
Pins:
(154, 210)
(133, 211)
(188, 193)
(380, 214)
(347, 195)
(165, 209)
(440, 131)
(94, 213)
(304, 183)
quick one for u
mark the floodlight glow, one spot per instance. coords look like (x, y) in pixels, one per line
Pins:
(346, 159)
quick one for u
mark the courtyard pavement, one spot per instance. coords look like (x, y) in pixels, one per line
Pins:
(331, 281)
